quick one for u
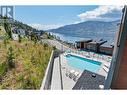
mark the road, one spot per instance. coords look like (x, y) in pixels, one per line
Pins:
(55, 43)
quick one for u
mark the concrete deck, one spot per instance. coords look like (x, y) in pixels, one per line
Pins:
(56, 79)
(67, 82)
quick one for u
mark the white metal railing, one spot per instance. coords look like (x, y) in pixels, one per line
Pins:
(91, 55)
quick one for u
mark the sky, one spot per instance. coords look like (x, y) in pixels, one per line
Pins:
(50, 17)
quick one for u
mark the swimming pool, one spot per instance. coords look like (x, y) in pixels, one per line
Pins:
(83, 63)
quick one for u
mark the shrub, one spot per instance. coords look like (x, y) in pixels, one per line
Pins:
(54, 47)
(34, 37)
(19, 39)
(7, 27)
(6, 40)
(10, 58)
(45, 45)
(3, 69)
(31, 62)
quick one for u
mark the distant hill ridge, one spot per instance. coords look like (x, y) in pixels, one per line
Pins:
(91, 29)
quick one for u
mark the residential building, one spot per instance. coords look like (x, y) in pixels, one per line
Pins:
(16, 32)
(106, 48)
(15, 36)
(94, 45)
(117, 76)
(83, 43)
(20, 32)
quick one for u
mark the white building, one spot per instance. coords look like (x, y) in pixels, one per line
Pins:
(16, 32)
(15, 36)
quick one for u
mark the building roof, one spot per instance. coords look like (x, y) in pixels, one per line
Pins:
(87, 81)
(98, 41)
(17, 30)
(108, 44)
(84, 40)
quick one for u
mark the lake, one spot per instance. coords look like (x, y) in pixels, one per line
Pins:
(67, 38)
(72, 39)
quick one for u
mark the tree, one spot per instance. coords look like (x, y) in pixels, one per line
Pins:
(54, 47)
(19, 38)
(34, 37)
(10, 58)
(45, 45)
(6, 39)
(7, 27)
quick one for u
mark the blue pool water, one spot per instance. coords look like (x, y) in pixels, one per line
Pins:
(83, 63)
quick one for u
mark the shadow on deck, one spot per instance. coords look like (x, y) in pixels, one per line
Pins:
(87, 81)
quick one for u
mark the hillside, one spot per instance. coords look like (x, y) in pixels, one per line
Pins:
(92, 29)
(21, 25)
(28, 67)
(22, 63)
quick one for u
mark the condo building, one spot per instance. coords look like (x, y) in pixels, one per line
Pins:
(117, 76)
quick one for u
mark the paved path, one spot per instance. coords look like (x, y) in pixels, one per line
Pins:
(56, 79)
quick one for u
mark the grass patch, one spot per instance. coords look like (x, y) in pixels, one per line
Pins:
(30, 61)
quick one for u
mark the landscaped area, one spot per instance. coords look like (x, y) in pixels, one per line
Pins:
(22, 64)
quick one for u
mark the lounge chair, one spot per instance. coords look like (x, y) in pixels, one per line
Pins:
(87, 56)
(106, 69)
(67, 72)
(76, 74)
(107, 65)
(108, 60)
(65, 54)
(71, 74)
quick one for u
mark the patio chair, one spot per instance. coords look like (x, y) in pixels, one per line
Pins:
(105, 69)
(108, 60)
(76, 75)
(65, 54)
(67, 72)
(71, 74)
(107, 65)
(87, 56)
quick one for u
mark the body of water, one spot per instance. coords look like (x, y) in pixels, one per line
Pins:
(72, 39)
(67, 38)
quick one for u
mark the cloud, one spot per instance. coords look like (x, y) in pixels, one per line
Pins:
(45, 26)
(100, 13)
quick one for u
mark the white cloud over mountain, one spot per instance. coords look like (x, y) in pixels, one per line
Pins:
(101, 13)
(45, 26)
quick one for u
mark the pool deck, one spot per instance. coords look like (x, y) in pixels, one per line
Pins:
(56, 76)
(65, 82)
(68, 83)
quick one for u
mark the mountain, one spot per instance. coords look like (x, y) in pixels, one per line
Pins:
(90, 29)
